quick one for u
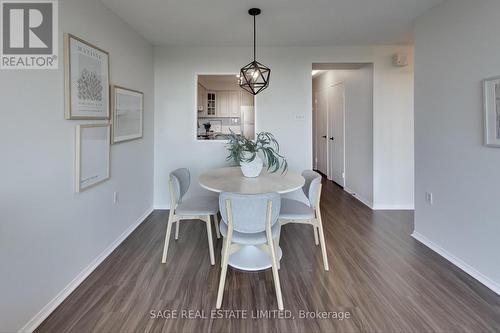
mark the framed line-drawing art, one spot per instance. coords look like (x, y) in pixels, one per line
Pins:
(127, 106)
(491, 89)
(86, 80)
(92, 155)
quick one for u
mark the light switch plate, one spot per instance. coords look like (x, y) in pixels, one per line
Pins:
(429, 197)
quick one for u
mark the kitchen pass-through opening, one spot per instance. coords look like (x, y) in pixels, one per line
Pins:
(223, 107)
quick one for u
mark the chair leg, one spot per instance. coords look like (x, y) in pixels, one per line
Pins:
(222, 281)
(277, 245)
(274, 266)
(167, 237)
(279, 233)
(216, 222)
(316, 241)
(210, 241)
(177, 230)
(222, 251)
(276, 242)
(322, 241)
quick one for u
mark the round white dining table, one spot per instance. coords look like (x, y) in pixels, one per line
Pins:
(231, 179)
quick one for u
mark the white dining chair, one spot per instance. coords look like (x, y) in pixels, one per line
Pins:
(249, 220)
(294, 211)
(196, 207)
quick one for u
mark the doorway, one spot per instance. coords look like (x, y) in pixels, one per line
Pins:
(343, 125)
(330, 129)
(322, 131)
(336, 129)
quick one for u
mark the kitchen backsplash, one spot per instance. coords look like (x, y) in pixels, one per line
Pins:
(220, 125)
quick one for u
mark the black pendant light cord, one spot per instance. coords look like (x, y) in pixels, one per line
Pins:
(254, 47)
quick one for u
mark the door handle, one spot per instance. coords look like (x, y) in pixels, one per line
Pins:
(332, 138)
(324, 136)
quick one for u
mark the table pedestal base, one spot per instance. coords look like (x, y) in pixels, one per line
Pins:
(251, 258)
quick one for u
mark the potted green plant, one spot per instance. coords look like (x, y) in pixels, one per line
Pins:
(247, 153)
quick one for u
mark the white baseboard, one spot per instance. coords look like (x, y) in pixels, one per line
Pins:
(393, 207)
(61, 296)
(495, 287)
(161, 207)
(360, 198)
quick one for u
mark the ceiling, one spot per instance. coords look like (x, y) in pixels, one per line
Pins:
(282, 22)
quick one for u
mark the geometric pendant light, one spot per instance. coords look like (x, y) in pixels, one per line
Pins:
(254, 77)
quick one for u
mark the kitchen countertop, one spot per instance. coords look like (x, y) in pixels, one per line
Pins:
(212, 136)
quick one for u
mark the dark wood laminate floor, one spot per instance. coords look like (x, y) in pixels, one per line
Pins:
(387, 281)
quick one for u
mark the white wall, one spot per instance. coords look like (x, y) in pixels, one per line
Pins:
(289, 95)
(358, 126)
(456, 48)
(49, 234)
(393, 134)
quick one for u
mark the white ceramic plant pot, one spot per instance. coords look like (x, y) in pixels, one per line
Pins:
(252, 169)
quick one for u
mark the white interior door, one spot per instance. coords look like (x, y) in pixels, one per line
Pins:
(322, 131)
(336, 134)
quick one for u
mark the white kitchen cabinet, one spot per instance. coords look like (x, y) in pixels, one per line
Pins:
(235, 103)
(212, 103)
(246, 99)
(220, 103)
(201, 101)
(223, 104)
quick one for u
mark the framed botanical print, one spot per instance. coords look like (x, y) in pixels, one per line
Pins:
(491, 89)
(128, 108)
(86, 80)
(92, 164)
